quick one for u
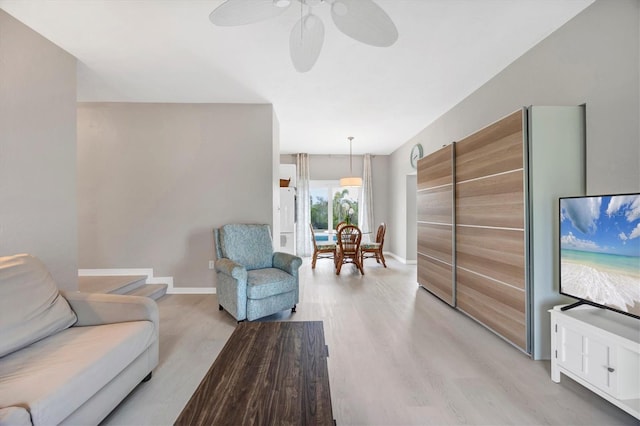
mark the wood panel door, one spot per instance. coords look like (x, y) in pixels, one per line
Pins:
(490, 228)
(435, 203)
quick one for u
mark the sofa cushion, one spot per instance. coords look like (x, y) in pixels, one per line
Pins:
(248, 245)
(31, 308)
(267, 282)
(55, 376)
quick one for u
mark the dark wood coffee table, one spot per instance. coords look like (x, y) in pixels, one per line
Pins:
(268, 373)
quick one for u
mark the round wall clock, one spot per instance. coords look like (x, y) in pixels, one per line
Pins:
(416, 154)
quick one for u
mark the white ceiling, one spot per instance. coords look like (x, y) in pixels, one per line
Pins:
(168, 51)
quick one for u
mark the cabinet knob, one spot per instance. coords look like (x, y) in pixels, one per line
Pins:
(611, 369)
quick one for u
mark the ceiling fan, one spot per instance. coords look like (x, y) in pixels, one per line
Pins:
(362, 20)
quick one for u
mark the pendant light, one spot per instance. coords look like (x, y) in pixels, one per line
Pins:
(351, 180)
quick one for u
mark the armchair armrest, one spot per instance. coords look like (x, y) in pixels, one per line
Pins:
(96, 309)
(229, 267)
(287, 262)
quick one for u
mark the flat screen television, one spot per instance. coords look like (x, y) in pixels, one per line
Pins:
(600, 251)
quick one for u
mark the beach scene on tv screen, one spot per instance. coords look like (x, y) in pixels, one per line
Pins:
(600, 250)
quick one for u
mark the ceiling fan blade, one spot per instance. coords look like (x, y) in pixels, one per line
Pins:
(365, 21)
(305, 42)
(241, 12)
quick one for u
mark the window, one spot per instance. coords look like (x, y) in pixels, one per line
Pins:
(331, 203)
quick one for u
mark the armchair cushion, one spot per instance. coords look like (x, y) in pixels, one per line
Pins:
(262, 283)
(256, 255)
(31, 307)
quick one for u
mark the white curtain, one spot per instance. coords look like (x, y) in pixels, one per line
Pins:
(304, 245)
(365, 204)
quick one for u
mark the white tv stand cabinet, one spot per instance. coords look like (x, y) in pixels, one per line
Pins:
(600, 349)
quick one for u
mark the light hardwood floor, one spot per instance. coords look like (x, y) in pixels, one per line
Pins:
(397, 356)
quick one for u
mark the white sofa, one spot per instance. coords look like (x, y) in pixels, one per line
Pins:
(68, 358)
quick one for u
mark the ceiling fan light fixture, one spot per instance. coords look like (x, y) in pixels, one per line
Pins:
(362, 20)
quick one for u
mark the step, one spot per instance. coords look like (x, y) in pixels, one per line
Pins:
(153, 291)
(115, 284)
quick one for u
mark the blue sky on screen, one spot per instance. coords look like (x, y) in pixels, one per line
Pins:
(608, 224)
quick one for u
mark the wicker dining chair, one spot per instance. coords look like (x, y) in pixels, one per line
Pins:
(348, 250)
(374, 250)
(321, 251)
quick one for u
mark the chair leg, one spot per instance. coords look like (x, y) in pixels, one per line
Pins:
(382, 258)
(293, 310)
(313, 260)
(220, 308)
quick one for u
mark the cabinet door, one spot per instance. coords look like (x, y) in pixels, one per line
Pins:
(570, 349)
(586, 357)
(598, 358)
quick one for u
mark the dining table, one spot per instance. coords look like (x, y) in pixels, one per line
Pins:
(332, 233)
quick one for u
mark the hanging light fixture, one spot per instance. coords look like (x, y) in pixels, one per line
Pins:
(351, 180)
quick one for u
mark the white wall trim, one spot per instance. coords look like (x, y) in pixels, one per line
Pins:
(191, 290)
(116, 272)
(148, 272)
(401, 259)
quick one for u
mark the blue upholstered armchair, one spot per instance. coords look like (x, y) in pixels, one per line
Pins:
(253, 281)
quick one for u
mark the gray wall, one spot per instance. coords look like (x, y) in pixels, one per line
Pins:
(333, 167)
(38, 150)
(155, 179)
(275, 167)
(594, 59)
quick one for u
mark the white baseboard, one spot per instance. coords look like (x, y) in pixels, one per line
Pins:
(148, 272)
(401, 259)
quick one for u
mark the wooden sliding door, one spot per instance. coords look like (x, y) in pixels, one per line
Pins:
(487, 220)
(490, 228)
(435, 202)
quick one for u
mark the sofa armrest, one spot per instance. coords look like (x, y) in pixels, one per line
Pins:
(287, 262)
(96, 309)
(229, 267)
(14, 416)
